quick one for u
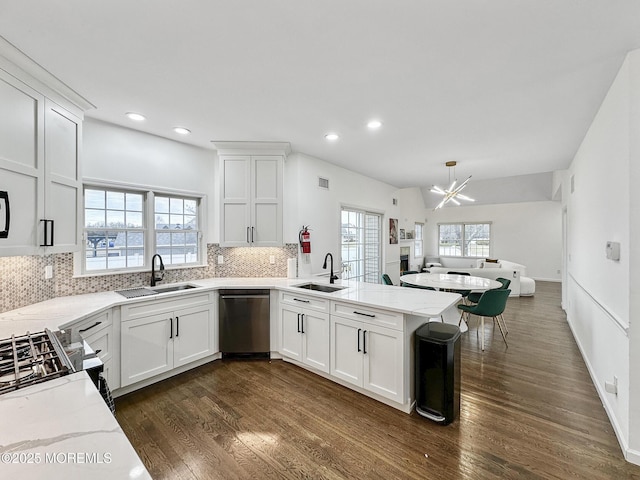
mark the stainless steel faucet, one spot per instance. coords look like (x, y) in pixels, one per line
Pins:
(154, 278)
(332, 277)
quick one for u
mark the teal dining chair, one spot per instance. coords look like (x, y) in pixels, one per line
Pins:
(386, 279)
(492, 304)
(473, 297)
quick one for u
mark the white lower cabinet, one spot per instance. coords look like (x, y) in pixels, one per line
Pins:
(157, 338)
(305, 337)
(368, 356)
(304, 330)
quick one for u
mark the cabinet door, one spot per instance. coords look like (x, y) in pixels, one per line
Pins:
(147, 347)
(346, 359)
(21, 165)
(193, 335)
(235, 215)
(62, 177)
(266, 207)
(290, 334)
(315, 340)
(383, 366)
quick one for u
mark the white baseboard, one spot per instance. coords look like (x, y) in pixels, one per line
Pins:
(630, 455)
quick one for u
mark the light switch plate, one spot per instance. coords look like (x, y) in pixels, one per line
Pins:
(220, 259)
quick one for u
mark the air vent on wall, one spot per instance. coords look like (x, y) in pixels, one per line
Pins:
(323, 183)
(394, 201)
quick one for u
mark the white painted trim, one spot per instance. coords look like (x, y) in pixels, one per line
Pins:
(632, 456)
(252, 148)
(615, 319)
(556, 280)
(96, 182)
(51, 84)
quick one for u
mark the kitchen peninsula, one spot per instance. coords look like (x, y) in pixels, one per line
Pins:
(404, 310)
(387, 311)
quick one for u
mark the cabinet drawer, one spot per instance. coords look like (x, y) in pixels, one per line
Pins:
(92, 324)
(101, 341)
(154, 307)
(374, 316)
(308, 302)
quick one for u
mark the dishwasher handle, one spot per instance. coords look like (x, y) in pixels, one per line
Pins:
(243, 296)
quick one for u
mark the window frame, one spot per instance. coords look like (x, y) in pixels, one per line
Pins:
(463, 243)
(149, 232)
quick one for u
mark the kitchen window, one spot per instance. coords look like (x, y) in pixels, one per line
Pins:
(113, 229)
(176, 229)
(361, 245)
(464, 239)
(116, 235)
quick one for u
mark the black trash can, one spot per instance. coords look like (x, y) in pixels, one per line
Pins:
(437, 372)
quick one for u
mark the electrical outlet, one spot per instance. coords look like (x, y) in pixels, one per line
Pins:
(48, 272)
(220, 260)
(272, 259)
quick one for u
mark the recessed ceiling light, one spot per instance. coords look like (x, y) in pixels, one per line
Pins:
(138, 117)
(182, 130)
(374, 124)
(332, 136)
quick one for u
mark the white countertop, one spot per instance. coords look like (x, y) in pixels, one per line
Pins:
(63, 429)
(58, 312)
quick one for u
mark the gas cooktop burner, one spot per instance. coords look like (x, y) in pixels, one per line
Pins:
(31, 358)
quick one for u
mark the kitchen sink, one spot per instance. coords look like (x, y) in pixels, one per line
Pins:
(174, 288)
(319, 288)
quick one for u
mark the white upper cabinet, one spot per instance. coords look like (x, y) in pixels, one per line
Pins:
(40, 135)
(251, 186)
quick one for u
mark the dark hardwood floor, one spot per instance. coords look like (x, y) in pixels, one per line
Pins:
(527, 411)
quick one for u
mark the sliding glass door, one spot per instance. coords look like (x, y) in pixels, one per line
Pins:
(361, 234)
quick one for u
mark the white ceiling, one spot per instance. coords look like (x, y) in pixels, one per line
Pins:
(506, 88)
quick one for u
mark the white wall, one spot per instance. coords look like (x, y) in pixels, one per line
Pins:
(412, 211)
(529, 233)
(118, 154)
(307, 204)
(599, 291)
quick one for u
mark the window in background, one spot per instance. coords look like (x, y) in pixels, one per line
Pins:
(176, 229)
(113, 229)
(464, 239)
(418, 250)
(361, 245)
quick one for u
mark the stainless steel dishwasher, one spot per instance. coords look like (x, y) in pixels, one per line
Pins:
(244, 323)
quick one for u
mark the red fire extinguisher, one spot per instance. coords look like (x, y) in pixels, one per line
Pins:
(304, 236)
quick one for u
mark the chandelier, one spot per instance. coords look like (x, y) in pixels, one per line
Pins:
(452, 194)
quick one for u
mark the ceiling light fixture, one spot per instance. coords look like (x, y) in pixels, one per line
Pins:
(182, 130)
(453, 192)
(332, 137)
(137, 117)
(374, 124)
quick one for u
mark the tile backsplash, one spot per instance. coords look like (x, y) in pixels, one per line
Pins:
(22, 279)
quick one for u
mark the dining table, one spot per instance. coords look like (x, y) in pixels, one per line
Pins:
(450, 281)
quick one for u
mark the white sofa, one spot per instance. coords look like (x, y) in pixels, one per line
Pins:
(521, 285)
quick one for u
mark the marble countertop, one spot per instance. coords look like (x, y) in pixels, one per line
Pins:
(59, 312)
(63, 429)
